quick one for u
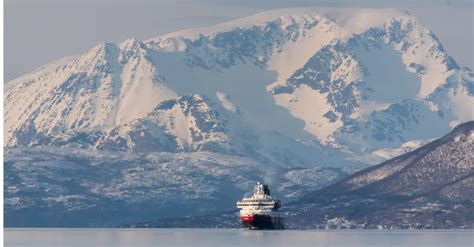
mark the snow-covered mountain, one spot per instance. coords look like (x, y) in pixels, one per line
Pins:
(305, 81)
(298, 97)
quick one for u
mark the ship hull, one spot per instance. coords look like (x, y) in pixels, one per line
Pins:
(262, 222)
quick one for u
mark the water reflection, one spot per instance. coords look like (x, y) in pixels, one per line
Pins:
(232, 237)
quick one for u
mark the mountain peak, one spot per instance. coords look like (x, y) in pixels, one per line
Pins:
(355, 20)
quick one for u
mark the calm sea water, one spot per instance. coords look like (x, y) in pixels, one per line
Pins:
(231, 237)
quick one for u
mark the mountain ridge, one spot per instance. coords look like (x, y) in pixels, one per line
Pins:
(118, 83)
(431, 189)
(420, 153)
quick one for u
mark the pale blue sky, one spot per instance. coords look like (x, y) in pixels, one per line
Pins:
(39, 31)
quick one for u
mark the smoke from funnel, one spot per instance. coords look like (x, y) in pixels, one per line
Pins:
(270, 176)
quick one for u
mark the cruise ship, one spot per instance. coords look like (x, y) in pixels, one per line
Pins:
(260, 211)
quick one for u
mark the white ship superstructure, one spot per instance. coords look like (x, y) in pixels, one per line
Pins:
(260, 211)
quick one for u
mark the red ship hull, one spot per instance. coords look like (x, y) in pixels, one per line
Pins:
(262, 222)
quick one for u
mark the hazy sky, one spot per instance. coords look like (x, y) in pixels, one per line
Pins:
(39, 31)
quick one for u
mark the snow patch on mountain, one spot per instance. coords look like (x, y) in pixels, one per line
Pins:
(310, 105)
(140, 84)
(224, 98)
(388, 153)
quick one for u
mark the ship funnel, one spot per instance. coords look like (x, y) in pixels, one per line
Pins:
(266, 190)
